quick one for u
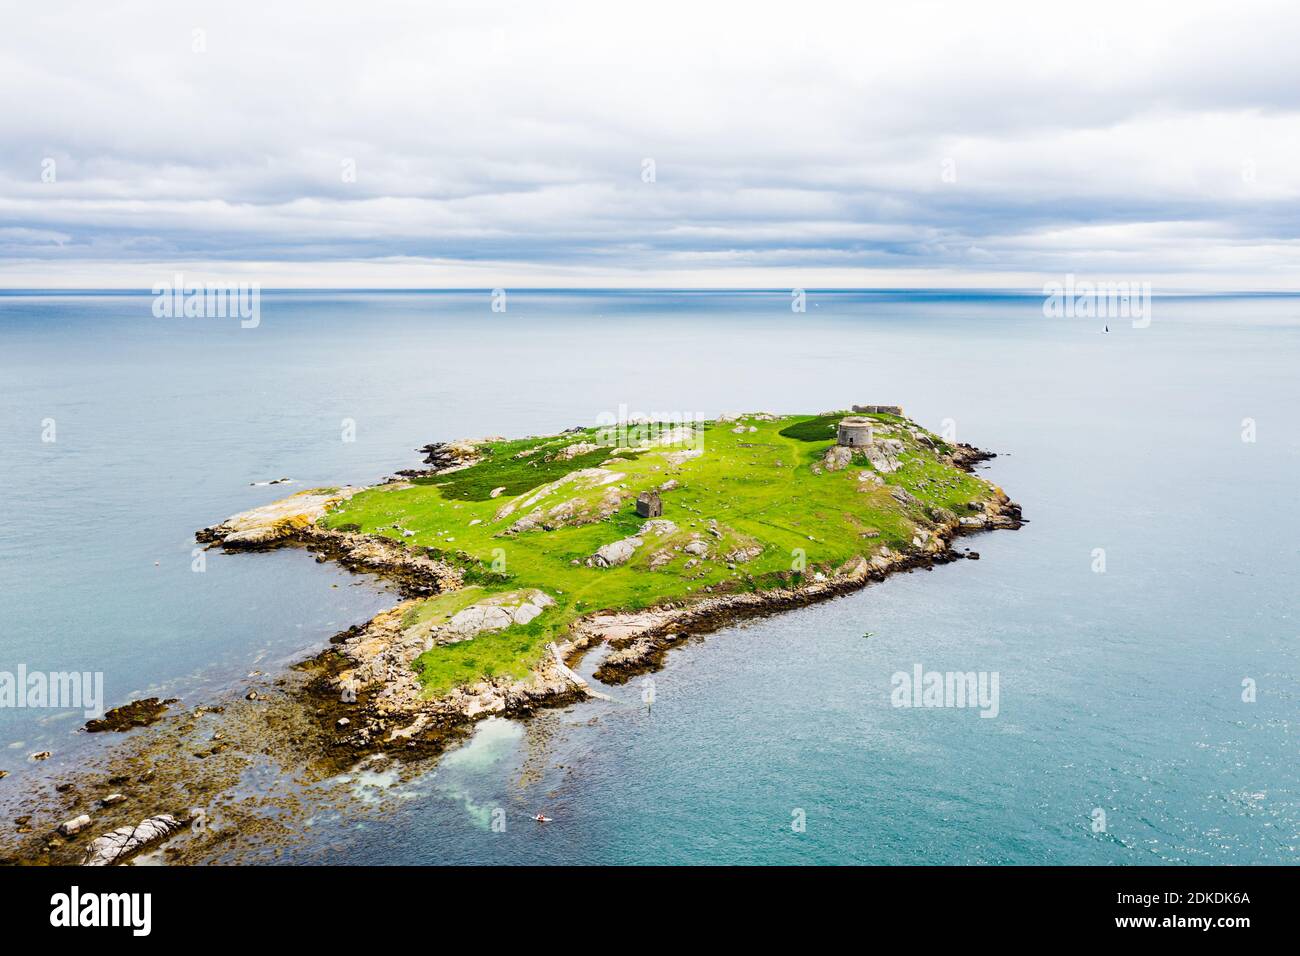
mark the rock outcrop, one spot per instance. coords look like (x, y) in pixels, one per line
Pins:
(883, 454)
(592, 494)
(138, 713)
(268, 524)
(124, 842)
(616, 552)
(619, 552)
(569, 452)
(493, 614)
(837, 458)
(448, 456)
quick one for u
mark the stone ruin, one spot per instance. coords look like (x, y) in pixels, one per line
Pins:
(649, 505)
(854, 432)
(879, 410)
(856, 435)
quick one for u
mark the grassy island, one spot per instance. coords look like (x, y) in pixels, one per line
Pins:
(546, 530)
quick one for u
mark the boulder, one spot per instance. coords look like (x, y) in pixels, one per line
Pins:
(454, 455)
(569, 452)
(616, 552)
(837, 458)
(496, 614)
(124, 841)
(658, 526)
(883, 455)
(75, 825)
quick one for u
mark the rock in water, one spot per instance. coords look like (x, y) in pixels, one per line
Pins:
(75, 825)
(138, 713)
(124, 841)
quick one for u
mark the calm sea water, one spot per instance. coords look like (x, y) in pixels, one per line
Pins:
(1120, 691)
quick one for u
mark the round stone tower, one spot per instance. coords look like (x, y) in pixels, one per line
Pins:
(854, 432)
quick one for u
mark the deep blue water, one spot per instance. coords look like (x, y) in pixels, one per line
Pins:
(1120, 691)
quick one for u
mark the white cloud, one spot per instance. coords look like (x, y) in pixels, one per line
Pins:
(503, 142)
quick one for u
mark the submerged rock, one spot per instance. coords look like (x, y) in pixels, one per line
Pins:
(138, 713)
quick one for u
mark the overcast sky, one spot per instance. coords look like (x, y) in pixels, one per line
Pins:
(799, 144)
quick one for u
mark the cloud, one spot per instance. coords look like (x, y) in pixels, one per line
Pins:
(862, 142)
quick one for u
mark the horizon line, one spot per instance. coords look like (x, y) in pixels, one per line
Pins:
(671, 290)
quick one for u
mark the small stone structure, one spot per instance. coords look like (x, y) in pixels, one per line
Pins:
(879, 410)
(649, 505)
(854, 432)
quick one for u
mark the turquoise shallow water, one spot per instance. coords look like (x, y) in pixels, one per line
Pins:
(1120, 691)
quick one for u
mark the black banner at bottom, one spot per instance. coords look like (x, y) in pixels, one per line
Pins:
(336, 906)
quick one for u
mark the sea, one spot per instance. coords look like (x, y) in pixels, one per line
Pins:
(1141, 627)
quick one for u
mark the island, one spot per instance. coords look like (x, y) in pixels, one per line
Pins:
(512, 559)
(516, 556)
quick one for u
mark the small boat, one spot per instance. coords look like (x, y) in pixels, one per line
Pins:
(541, 818)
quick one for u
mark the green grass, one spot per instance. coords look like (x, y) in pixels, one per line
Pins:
(502, 469)
(759, 487)
(821, 428)
(510, 653)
